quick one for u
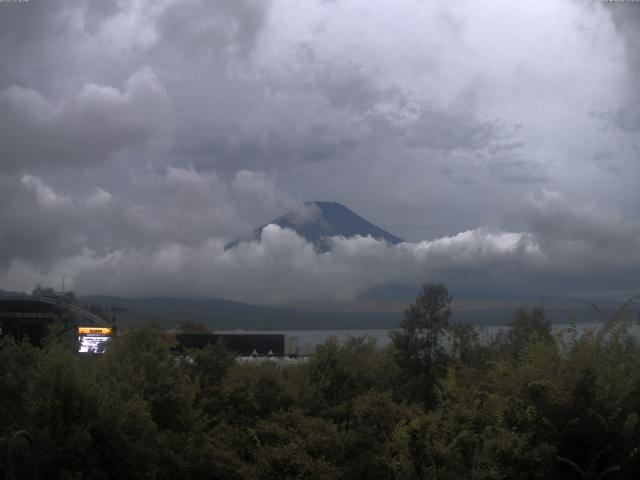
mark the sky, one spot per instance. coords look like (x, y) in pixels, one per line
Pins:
(500, 139)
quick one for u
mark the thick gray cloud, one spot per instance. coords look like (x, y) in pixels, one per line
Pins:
(175, 207)
(627, 21)
(589, 247)
(89, 127)
(140, 136)
(214, 30)
(626, 18)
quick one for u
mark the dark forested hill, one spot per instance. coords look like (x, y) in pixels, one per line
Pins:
(225, 314)
(478, 309)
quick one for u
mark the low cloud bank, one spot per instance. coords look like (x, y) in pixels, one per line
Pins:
(566, 248)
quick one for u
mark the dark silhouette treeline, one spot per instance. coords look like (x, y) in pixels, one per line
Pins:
(526, 404)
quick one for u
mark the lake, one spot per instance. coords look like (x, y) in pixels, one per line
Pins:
(309, 339)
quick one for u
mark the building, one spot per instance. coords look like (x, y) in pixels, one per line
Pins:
(243, 344)
(31, 317)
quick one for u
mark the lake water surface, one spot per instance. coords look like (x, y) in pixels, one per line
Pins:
(309, 339)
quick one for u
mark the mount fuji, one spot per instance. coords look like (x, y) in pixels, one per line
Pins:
(317, 221)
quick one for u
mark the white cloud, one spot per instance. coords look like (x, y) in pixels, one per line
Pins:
(283, 267)
(45, 195)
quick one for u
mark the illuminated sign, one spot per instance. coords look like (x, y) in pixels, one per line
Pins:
(94, 330)
(93, 339)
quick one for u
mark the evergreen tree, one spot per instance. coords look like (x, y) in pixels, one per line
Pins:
(418, 342)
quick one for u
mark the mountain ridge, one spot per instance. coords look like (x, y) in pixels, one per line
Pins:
(317, 221)
(228, 314)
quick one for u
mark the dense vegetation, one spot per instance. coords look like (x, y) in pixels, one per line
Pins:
(527, 404)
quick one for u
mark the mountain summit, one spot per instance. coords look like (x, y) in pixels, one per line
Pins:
(317, 221)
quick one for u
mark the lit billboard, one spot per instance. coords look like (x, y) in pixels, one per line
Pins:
(93, 339)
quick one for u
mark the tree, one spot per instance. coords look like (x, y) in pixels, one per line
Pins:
(417, 342)
(191, 326)
(67, 297)
(528, 326)
(209, 367)
(41, 291)
(465, 345)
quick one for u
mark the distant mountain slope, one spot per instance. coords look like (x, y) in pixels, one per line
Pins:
(317, 221)
(477, 309)
(226, 314)
(9, 293)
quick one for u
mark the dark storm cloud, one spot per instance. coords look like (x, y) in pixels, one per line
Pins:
(626, 120)
(40, 224)
(231, 148)
(46, 45)
(200, 27)
(347, 87)
(621, 118)
(582, 232)
(514, 170)
(139, 136)
(626, 16)
(605, 160)
(26, 226)
(87, 128)
(446, 131)
(283, 267)
(80, 89)
(243, 113)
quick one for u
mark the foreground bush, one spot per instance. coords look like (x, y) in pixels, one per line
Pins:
(527, 405)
